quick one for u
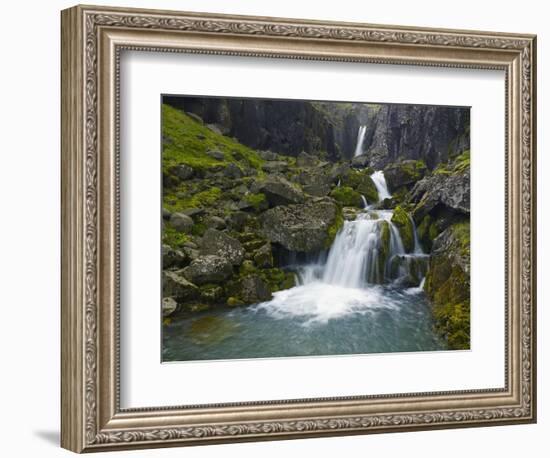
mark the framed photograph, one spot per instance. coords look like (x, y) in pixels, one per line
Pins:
(277, 228)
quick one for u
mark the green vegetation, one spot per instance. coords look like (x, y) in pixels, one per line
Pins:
(362, 183)
(172, 237)
(346, 196)
(404, 224)
(448, 286)
(258, 201)
(333, 230)
(176, 201)
(385, 234)
(186, 141)
(454, 166)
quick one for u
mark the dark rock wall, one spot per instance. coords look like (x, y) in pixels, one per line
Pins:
(394, 132)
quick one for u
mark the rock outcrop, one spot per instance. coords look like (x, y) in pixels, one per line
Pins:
(302, 227)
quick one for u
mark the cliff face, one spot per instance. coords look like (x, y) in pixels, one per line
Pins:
(329, 130)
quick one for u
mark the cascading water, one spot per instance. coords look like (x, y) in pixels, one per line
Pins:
(360, 140)
(381, 186)
(364, 296)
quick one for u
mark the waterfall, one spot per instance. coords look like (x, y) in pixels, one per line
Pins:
(381, 186)
(360, 140)
(358, 255)
(364, 201)
(417, 246)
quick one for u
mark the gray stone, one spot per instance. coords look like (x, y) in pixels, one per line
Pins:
(172, 257)
(166, 214)
(275, 167)
(169, 306)
(181, 222)
(215, 222)
(437, 192)
(220, 244)
(263, 257)
(360, 162)
(254, 289)
(268, 155)
(175, 285)
(306, 160)
(279, 191)
(233, 171)
(208, 269)
(237, 220)
(215, 154)
(302, 227)
(183, 171)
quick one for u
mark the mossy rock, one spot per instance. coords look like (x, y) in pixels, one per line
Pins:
(334, 228)
(361, 182)
(257, 201)
(404, 224)
(384, 250)
(448, 285)
(346, 196)
(404, 174)
(211, 294)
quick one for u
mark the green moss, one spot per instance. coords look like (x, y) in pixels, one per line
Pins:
(277, 279)
(448, 286)
(334, 228)
(175, 200)
(346, 196)
(385, 234)
(427, 232)
(404, 224)
(456, 165)
(234, 302)
(186, 141)
(361, 182)
(258, 201)
(173, 238)
(199, 229)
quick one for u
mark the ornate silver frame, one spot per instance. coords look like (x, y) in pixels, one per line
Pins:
(92, 39)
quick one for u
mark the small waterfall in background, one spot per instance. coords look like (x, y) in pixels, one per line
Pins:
(360, 140)
(364, 200)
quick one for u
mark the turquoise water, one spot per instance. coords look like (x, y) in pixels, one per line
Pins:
(309, 320)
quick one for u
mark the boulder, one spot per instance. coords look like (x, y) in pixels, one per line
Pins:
(183, 171)
(166, 214)
(175, 285)
(301, 227)
(440, 191)
(215, 154)
(317, 189)
(254, 289)
(181, 222)
(215, 222)
(279, 191)
(220, 244)
(306, 160)
(268, 155)
(448, 285)
(360, 162)
(275, 167)
(232, 171)
(237, 220)
(172, 257)
(404, 225)
(208, 269)
(347, 196)
(263, 258)
(211, 294)
(169, 306)
(404, 173)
